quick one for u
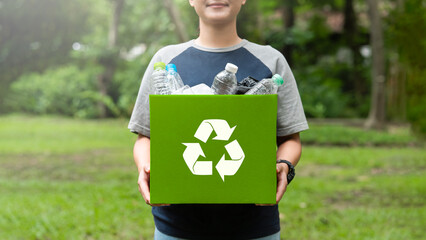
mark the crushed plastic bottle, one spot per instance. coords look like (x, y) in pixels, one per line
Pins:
(173, 77)
(225, 82)
(200, 89)
(185, 90)
(159, 83)
(267, 86)
(246, 84)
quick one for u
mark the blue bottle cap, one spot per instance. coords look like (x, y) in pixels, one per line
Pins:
(171, 66)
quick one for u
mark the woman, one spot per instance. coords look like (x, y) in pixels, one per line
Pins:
(218, 44)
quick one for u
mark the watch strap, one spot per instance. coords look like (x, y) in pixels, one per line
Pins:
(291, 171)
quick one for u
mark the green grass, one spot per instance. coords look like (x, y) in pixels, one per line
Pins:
(75, 179)
(339, 134)
(49, 135)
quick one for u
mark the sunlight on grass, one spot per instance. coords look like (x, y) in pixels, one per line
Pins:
(75, 179)
(27, 134)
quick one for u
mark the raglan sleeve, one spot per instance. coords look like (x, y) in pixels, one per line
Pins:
(291, 116)
(140, 119)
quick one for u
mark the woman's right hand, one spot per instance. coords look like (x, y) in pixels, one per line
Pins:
(143, 182)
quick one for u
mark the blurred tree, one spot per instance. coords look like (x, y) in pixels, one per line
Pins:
(66, 90)
(376, 117)
(176, 19)
(109, 61)
(408, 42)
(289, 21)
(132, 24)
(353, 41)
(396, 101)
(35, 34)
(321, 39)
(322, 42)
(249, 23)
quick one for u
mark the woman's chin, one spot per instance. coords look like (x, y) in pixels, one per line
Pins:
(219, 18)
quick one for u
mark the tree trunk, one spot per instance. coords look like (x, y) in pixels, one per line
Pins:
(396, 82)
(289, 19)
(109, 60)
(396, 93)
(115, 21)
(177, 20)
(350, 34)
(376, 117)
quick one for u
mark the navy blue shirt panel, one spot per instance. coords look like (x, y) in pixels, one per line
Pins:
(196, 66)
(217, 221)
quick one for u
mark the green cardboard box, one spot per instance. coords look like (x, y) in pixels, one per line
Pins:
(213, 149)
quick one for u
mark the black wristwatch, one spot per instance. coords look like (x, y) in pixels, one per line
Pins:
(291, 171)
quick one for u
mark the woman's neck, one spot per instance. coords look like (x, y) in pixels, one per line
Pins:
(218, 36)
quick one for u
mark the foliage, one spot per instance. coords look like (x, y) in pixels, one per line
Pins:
(410, 43)
(333, 78)
(66, 90)
(247, 22)
(416, 102)
(321, 92)
(53, 35)
(330, 83)
(37, 34)
(72, 91)
(128, 81)
(135, 30)
(75, 179)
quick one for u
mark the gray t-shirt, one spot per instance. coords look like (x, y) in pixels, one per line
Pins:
(197, 64)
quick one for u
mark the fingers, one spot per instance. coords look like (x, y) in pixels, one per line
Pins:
(158, 205)
(143, 183)
(281, 187)
(281, 183)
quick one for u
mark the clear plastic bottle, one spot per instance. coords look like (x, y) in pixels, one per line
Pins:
(267, 86)
(173, 77)
(225, 82)
(159, 83)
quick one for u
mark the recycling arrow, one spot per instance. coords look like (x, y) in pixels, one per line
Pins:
(230, 167)
(221, 127)
(224, 167)
(191, 154)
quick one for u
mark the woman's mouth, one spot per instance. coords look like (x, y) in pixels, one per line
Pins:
(217, 5)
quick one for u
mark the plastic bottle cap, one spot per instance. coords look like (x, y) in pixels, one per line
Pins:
(171, 66)
(159, 65)
(231, 68)
(278, 79)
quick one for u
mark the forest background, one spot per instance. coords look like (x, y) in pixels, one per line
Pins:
(85, 59)
(70, 72)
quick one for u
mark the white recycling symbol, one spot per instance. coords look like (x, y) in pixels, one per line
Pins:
(224, 167)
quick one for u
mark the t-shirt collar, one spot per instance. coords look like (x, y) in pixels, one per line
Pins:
(225, 49)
